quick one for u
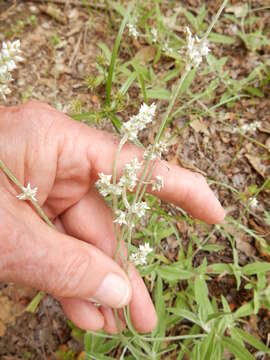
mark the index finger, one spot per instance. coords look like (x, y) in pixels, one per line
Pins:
(182, 187)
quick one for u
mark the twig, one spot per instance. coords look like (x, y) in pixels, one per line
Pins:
(75, 52)
(71, 2)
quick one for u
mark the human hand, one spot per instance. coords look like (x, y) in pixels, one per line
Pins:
(62, 158)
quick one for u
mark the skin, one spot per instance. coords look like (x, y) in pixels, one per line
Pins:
(63, 158)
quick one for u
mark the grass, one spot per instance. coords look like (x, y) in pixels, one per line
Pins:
(205, 324)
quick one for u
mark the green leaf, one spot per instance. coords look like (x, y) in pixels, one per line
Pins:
(201, 294)
(128, 83)
(251, 340)
(256, 268)
(158, 93)
(207, 348)
(213, 247)
(114, 53)
(237, 349)
(243, 311)
(220, 268)
(256, 302)
(255, 91)
(116, 122)
(190, 18)
(221, 39)
(186, 314)
(173, 273)
(160, 308)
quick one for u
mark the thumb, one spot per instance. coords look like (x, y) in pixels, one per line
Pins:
(33, 254)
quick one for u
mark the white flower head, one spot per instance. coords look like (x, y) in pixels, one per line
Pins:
(253, 203)
(166, 48)
(161, 148)
(138, 122)
(158, 183)
(129, 178)
(140, 208)
(28, 193)
(154, 34)
(9, 55)
(105, 187)
(250, 127)
(140, 256)
(121, 217)
(196, 49)
(104, 184)
(132, 30)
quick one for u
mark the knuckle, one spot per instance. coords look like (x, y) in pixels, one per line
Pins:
(73, 274)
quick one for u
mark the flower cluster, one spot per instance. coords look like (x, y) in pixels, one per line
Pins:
(250, 127)
(105, 187)
(9, 55)
(132, 30)
(166, 48)
(140, 256)
(129, 178)
(253, 203)
(196, 49)
(158, 149)
(28, 193)
(138, 122)
(158, 183)
(154, 34)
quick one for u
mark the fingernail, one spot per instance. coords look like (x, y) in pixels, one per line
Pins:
(114, 291)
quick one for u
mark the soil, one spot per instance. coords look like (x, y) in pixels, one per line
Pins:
(60, 51)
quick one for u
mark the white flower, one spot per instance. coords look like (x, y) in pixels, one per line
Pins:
(140, 208)
(139, 121)
(104, 184)
(166, 48)
(253, 203)
(132, 30)
(250, 127)
(9, 55)
(121, 217)
(140, 256)
(129, 179)
(105, 187)
(196, 49)
(28, 193)
(159, 149)
(158, 184)
(154, 34)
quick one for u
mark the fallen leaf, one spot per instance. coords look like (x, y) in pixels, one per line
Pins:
(199, 126)
(55, 13)
(146, 54)
(264, 127)
(257, 165)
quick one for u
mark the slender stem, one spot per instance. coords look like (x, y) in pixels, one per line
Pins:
(20, 186)
(215, 19)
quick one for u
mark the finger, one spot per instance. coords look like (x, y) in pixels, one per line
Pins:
(91, 220)
(182, 187)
(34, 254)
(83, 314)
(111, 325)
